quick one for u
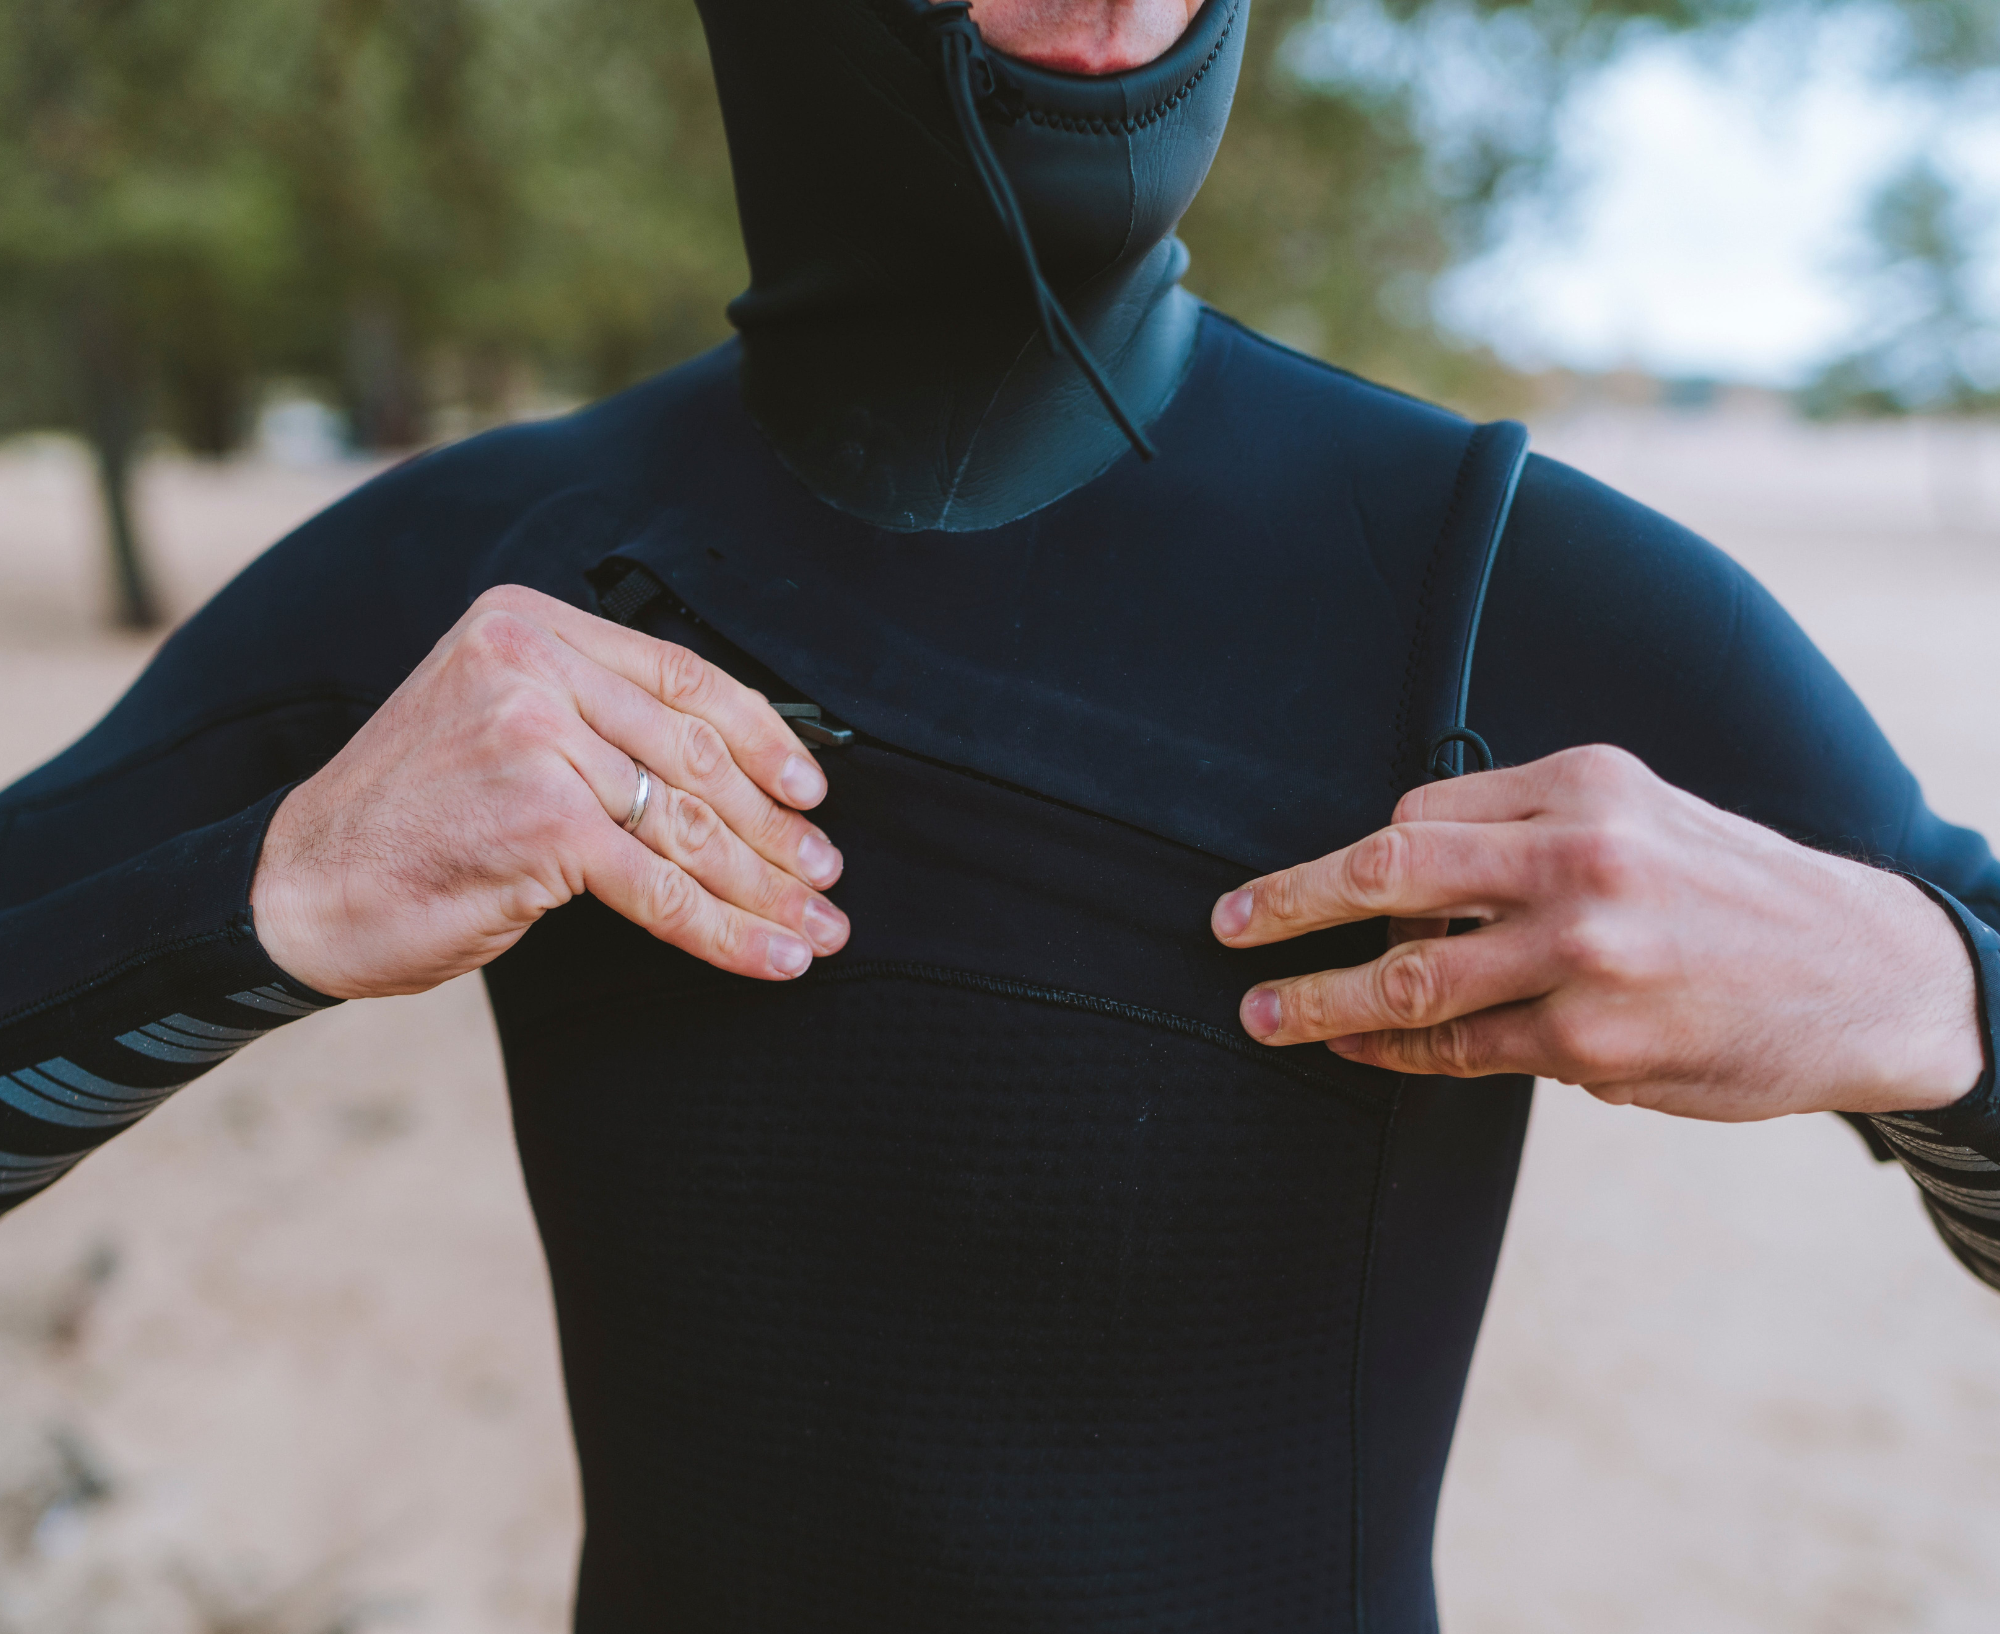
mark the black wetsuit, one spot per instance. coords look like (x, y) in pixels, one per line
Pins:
(985, 1278)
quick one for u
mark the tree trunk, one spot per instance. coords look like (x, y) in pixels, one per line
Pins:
(137, 607)
(113, 419)
(379, 388)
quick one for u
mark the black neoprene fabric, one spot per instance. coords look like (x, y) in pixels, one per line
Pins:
(985, 1277)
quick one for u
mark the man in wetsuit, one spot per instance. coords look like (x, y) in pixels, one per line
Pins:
(932, 1245)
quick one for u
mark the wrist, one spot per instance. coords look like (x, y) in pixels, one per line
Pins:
(288, 906)
(1943, 1055)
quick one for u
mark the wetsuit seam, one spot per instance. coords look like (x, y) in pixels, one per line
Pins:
(951, 976)
(1070, 999)
(1357, 1419)
(1426, 595)
(203, 725)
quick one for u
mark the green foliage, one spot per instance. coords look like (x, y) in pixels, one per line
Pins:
(1932, 346)
(408, 200)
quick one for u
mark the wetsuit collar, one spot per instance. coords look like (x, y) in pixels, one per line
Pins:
(891, 348)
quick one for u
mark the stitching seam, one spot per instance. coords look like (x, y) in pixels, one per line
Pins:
(1357, 1428)
(1130, 124)
(1031, 992)
(1406, 702)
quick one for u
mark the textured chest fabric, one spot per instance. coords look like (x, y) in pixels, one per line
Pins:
(988, 1277)
(985, 1278)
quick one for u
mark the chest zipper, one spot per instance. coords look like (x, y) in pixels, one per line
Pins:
(815, 726)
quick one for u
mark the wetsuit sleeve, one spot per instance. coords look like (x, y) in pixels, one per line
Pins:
(1607, 623)
(129, 959)
(120, 988)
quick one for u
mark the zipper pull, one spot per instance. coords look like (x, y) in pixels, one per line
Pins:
(815, 727)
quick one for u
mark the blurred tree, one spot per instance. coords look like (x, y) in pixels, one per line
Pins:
(398, 193)
(1933, 346)
(618, 168)
(403, 199)
(136, 231)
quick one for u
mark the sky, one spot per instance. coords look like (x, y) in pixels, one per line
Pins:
(1714, 203)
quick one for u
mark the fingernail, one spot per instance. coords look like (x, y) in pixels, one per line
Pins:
(788, 955)
(1347, 1044)
(1232, 913)
(826, 925)
(1262, 1012)
(820, 859)
(803, 782)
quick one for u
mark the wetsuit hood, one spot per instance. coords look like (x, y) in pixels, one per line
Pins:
(890, 345)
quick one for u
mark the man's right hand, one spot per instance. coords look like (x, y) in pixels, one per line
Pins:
(493, 786)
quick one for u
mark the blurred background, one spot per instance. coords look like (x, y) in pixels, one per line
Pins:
(279, 1360)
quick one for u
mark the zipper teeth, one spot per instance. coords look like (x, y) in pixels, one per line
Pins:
(865, 740)
(1068, 999)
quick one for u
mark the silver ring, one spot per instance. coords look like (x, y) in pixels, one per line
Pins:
(640, 796)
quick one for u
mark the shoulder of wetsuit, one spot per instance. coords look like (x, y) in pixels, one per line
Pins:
(1608, 622)
(1343, 386)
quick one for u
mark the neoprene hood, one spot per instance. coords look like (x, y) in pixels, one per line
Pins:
(891, 349)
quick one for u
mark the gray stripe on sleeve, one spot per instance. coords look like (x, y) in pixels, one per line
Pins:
(1928, 1149)
(185, 1029)
(18, 1174)
(275, 1000)
(69, 1074)
(158, 1050)
(47, 1101)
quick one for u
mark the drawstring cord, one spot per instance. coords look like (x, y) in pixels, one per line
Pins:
(970, 80)
(1445, 764)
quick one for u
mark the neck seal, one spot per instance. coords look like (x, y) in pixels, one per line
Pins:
(964, 297)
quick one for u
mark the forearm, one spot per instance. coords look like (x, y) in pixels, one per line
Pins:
(121, 988)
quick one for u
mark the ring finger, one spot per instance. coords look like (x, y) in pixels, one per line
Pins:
(686, 752)
(687, 831)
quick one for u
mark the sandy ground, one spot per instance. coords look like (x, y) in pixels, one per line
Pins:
(279, 1360)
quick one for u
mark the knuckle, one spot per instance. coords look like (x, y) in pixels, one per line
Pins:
(684, 675)
(691, 822)
(726, 938)
(1589, 947)
(1593, 1047)
(773, 829)
(775, 897)
(1410, 986)
(670, 898)
(498, 641)
(1605, 768)
(1378, 865)
(1307, 1008)
(521, 718)
(509, 598)
(1453, 1049)
(703, 752)
(1605, 861)
(1282, 896)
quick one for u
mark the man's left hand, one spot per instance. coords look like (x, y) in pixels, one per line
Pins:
(1632, 939)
